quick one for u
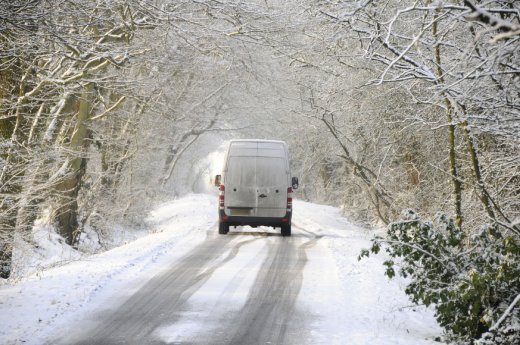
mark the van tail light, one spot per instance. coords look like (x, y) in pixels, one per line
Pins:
(221, 197)
(289, 199)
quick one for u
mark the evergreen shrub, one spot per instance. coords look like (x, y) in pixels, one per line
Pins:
(473, 282)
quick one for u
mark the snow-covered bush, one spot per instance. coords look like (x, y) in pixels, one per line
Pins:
(473, 282)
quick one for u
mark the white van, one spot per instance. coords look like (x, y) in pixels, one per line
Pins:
(256, 186)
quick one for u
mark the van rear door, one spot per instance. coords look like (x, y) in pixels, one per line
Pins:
(240, 193)
(271, 182)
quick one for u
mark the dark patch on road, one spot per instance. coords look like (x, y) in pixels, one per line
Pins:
(270, 314)
(159, 300)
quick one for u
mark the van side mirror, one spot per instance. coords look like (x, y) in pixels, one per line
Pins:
(217, 180)
(295, 183)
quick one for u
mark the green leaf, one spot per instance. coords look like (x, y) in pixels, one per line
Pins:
(363, 253)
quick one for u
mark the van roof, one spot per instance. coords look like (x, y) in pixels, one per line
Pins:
(257, 140)
(257, 147)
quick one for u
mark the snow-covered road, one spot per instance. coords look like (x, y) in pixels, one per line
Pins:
(185, 284)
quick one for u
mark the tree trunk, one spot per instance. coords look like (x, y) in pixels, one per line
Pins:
(12, 130)
(66, 214)
(37, 184)
(31, 194)
(457, 184)
(7, 224)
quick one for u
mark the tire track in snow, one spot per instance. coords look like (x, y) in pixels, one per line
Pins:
(160, 299)
(270, 308)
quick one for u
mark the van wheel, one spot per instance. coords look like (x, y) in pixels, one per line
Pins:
(286, 229)
(223, 228)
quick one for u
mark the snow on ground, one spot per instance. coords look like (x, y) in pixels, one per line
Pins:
(363, 305)
(227, 289)
(51, 250)
(358, 305)
(32, 307)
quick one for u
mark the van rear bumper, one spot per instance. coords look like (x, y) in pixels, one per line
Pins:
(254, 221)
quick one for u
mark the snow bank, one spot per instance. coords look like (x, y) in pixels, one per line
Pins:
(31, 308)
(350, 302)
(363, 306)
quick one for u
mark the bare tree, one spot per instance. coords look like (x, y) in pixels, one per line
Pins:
(444, 60)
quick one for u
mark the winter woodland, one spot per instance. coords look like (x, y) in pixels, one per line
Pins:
(404, 113)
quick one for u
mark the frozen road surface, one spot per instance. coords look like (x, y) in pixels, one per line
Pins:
(185, 284)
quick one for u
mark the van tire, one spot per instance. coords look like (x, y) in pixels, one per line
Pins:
(223, 228)
(286, 229)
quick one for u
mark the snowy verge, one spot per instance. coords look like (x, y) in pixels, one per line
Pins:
(349, 302)
(363, 306)
(31, 308)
